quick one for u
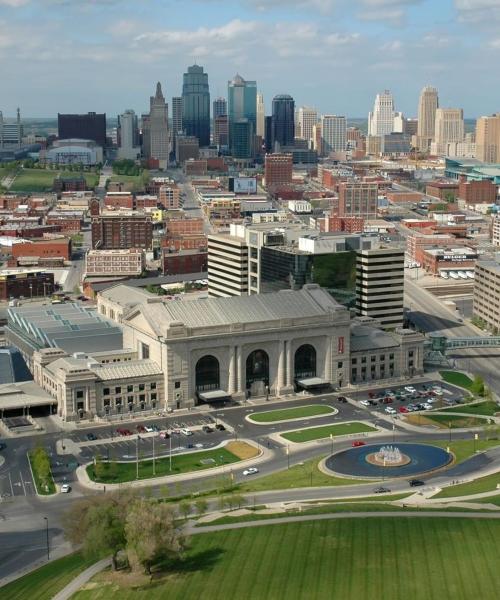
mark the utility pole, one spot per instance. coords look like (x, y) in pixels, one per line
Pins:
(154, 464)
(137, 457)
(170, 453)
(47, 536)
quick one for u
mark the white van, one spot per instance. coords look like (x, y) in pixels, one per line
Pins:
(186, 431)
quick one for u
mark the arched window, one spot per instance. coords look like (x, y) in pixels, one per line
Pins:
(305, 362)
(257, 368)
(207, 374)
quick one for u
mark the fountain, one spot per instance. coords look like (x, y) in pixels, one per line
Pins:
(388, 456)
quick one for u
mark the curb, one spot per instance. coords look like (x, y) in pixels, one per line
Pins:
(335, 411)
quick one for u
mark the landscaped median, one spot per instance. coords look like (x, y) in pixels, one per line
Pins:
(233, 452)
(42, 475)
(310, 434)
(290, 414)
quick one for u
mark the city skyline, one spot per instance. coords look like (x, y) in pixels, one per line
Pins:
(53, 45)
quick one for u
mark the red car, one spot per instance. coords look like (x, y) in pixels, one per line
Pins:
(403, 409)
(141, 429)
(358, 443)
(124, 431)
(371, 394)
(388, 400)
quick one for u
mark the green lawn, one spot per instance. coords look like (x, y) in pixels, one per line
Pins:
(46, 581)
(286, 414)
(457, 378)
(463, 449)
(318, 433)
(42, 180)
(181, 463)
(132, 183)
(376, 558)
(488, 408)
(483, 484)
(298, 476)
(456, 421)
(40, 487)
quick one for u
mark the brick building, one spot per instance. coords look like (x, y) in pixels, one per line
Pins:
(119, 200)
(347, 224)
(434, 260)
(146, 201)
(169, 197)
(477, 192)
(69, 184)
(416, 240)
(122, 230)
(184, 261)
(29, 283)
(184, 226)
(444, 190)
(28, 231)
(43, 248)
(278, 169)
(195, 166)
(195, 241)
(358, 199)
(403, 197)
(114, 262)
(67, 222)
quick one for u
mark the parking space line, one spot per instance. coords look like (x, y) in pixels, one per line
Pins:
(22, 482)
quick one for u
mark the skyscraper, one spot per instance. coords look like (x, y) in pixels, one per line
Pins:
(242, 106)
(428, 103)
(488, 139)
(128, 135)
(91, 126)
(219, 108)
(381, 120)
(155, 129)
(283, 123)
(196, 104)
(176, 115)
(449, 128)
(261, 116)
(333, 134)
(307, 119)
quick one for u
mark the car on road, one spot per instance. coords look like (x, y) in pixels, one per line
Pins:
(365, 402)
(250, 471)
(141, 429)
(65, 488)
(207, 429)
(410, 389)
(390, 411)
(91, 437)
(381, 490)
(358, 443)
(403, 409)
(220, 427)
(416, 482)
(341, 399)
(185, 431)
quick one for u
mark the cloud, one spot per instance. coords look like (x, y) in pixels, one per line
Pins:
(475, 11)
(13, 3)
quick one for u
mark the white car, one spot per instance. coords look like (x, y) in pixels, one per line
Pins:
(65, 488)
(390, 411)
(410, 389)
(430, 400)
(365, 402)
(250, 471)
(186, 431)
(148, 428)
(427, 406)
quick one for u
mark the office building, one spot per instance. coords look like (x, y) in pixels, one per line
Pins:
(333, 134)
(428, 104)
(488, 139)
(380, 285)
(381, 119)
(219, 107)
(449, 128)
(91, 126)
(307, 119)
(395, 144)
(221, 130)
(11, 134)
(268, 137)
(242, 116)
(196, 105)
(358, 199)
(128, 136)
(261, 117)
(122, 229)
(187, 147)
(124, 262)
(486, 302)
(227, 266)
(25, 283)
(283, 121)
(278, 169)
(176, 116)
(156, 143)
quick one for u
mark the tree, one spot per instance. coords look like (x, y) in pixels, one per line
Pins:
(99, 467)
(41, 465)
(151, 534)
(185, 508)
(201, 506)
(477, 386)
(97, 524)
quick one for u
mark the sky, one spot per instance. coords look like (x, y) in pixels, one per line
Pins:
(334, 55)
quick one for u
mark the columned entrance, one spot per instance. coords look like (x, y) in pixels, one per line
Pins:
(305, 362)
(207, 376)
(257, 373)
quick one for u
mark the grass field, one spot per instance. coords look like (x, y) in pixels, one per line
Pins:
(41, 180)
(132, 183)
(488, 408)
(181, 463)
(40, 487)
(46, 581)
(374, 558)
(457, 378)
(483, 484)
(318, 433)
(463, 449)
(286, 414)
(456, 421)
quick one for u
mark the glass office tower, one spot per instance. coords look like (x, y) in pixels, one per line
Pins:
(242, 106)
(196, 104)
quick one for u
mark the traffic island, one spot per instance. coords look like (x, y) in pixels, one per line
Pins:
(310, 434)
(299, 413)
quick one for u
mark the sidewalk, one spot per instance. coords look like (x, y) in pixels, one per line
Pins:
(82, 579)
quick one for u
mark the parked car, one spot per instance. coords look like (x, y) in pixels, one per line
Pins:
(3, 446)
(141, 429)
(122, 431)
(220, 427)
(65, 488)
(186, 431)
(381, 490)
(411, 408)
(148, 428)
(416, 482)
(365, 402)
(390, 411)
(164, 435)
(372, 395)
(91, 437)
(410, 389)
(428, 406)
(388, 400)
(250, 471)
(372, 402)
(403, 409)
(207, 429)
(358, 443)
(341, 399)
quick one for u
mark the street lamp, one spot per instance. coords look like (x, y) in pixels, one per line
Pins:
(47, 536)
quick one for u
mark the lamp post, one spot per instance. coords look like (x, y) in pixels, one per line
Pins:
(288, 456)
(331, 442)
(47, 536)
